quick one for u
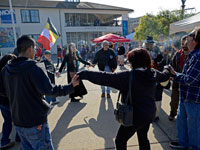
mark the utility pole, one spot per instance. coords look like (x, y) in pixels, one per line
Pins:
(13, 22)
(183, 8)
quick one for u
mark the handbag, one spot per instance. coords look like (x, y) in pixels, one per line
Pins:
(124, 110)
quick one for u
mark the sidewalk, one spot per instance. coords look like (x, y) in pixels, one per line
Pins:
(90, 124)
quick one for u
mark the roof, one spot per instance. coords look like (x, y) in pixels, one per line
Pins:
(60, 4)
(185, 25)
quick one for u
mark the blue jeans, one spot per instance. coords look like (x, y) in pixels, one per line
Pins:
(50, 99)
(7, 125)
(188, 125)
(103, 88)
(35, 138)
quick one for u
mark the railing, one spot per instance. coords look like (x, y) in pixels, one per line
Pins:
(114, 23)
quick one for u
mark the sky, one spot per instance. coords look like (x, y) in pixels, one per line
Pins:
(141, 7)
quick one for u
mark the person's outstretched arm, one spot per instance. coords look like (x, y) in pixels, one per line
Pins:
(162, 76)
(83, 61)
(63, 63)
(43, 85)
(116, 80)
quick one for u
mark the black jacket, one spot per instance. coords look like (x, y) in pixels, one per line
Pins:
(71, 67)
(50, 70)
(25, 83)
(143, 89)
(100, 59)
(121, 50)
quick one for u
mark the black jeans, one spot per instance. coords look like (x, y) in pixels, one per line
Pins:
(125, 133)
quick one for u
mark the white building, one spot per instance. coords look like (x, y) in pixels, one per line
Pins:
(133, 23)
(76, 21)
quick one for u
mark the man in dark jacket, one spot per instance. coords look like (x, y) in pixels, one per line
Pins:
(25, 83)
(106, 61)
(158, 63)
(177, 63)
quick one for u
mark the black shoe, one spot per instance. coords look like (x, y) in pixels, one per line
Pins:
(75, 100)
(108, 96)
(171, 118)
(103, 95)
(175, 145)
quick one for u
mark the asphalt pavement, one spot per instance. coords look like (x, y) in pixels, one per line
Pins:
(90, 124)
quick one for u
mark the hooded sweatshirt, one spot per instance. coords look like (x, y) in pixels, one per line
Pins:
(24, 82)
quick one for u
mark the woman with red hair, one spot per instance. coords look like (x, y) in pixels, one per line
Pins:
(143, 91)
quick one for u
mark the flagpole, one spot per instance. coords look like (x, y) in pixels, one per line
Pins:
(13, 23)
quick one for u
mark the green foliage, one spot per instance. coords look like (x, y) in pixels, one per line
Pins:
(156, 25)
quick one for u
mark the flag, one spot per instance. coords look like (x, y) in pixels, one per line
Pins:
(48, 36)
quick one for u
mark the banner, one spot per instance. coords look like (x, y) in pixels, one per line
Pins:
(125, 27)
(7, 37)
(5, 16)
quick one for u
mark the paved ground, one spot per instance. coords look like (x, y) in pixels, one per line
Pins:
(90, 124)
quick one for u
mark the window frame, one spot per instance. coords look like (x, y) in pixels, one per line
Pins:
(29, 15)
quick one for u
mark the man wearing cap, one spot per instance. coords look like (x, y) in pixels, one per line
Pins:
(158, 63)
(51, 74)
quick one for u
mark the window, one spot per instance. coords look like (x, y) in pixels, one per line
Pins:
(30, 16)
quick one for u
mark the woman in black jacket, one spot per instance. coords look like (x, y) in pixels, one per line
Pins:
(143, 92)
(5, 111)
(72, 59)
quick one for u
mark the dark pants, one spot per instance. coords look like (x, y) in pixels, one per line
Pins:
(79, 90)
(58, 61)
(125, 133)
(158, 93)
(7, 125)
(174, 100)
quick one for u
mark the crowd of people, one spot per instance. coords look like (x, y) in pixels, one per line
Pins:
(27, 84)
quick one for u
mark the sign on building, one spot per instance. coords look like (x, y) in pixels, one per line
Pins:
(7, 37)
(5, 16)
(125, 27)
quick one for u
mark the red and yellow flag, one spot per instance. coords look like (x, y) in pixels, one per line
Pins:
(48, 36)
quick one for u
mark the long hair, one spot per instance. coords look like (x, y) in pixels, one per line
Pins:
(70, 54)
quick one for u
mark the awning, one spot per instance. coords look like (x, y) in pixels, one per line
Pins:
(185, 25)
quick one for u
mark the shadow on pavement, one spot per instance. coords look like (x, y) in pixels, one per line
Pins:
(63, 100)
(105, 125)
(61, 129)
(166, 127)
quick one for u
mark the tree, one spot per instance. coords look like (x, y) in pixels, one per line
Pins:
(156, 25)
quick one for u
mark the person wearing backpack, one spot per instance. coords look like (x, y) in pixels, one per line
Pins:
(177, 63)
